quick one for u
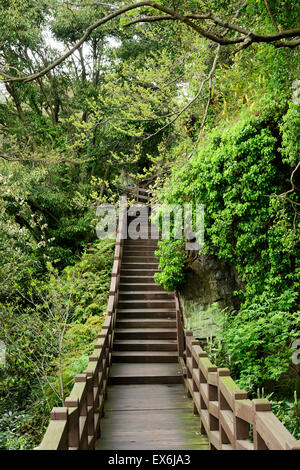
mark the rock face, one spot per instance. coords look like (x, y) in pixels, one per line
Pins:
(210, 286)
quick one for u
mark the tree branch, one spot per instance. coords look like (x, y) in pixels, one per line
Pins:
(180, 112)
(92, 4)
(42, 159)
(292, 183)
(271, 16)
(245, 39)
(210, 77)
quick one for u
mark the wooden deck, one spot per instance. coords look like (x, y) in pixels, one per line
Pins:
(150, 417)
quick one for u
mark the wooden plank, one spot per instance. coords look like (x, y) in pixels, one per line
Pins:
(150, 373)
(244, 444)
(55, 437)
(271, 430)
(226, 420)
(244, 410)
(147, 397)
(151, 417)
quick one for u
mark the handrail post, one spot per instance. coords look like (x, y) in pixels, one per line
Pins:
(73, 425)
(194, 367)
(180, 331)
(61, 414)
(259, 405)
(83, 411)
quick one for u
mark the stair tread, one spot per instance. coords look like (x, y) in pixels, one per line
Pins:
(145, 330)
(145, 353)
(147, 292)
(145, 341)
(145, 310)
(142, 263)
(140, 301)
(124, 284)
(145, 320)
(137, 277)
(134, 276)
(124, 369)
(137, 250)
(143, 323)
(140, 270)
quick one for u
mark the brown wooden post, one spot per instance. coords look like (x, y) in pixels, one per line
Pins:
(73, 418)
(241, 427)
(188, 353)
(91, 407)
(180, 331)
(83, 423)
(62, 414)
(223, 405)
(195, 368)
(259, 404)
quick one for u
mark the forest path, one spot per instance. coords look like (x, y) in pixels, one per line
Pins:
(147, 406)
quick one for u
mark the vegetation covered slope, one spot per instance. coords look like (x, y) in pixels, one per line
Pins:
(244, 168)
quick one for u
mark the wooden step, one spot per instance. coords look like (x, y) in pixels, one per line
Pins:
(133, 249)
(142, 273)
(140, 258)
(142, 232)
(146, 313)
(170, 303)
(129, 373)
(137, 280)
(141, 287)
(128, 251)
(145, 345)
(145, 333)
(139, 242)
(139, 265)
(142, 252)
(131, 294)
(146, 323)
(145, 356)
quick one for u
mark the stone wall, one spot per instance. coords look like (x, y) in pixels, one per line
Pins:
(209, 288)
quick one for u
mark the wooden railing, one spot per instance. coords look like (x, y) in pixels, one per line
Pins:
(227, 416)
(139, 194)
(76, 425)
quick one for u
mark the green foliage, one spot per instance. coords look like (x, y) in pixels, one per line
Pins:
(238, 175)
(290, 134)
(91, 295)
(74, 299)
(78, 345)
(256, 343)
(111, 115)
(172, 260)
(287, 411)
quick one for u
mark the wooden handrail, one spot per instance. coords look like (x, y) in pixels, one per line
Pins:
(226, 413)
(140, 194)
(76, 425)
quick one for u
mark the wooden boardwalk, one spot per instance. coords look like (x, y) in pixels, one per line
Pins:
(150, 417)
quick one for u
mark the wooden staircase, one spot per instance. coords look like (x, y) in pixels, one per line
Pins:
(152, 365)
(147, 406)
(145, 344)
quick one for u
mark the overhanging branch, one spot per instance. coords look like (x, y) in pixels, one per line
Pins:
(245, 38)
